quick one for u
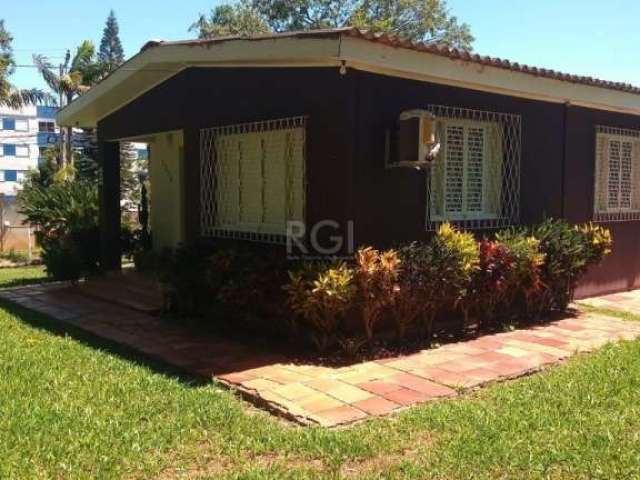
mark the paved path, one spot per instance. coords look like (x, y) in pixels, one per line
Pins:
(330, 396)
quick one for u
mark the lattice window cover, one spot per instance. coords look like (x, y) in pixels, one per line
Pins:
(475, 181)
(617, 175)
(252, 179)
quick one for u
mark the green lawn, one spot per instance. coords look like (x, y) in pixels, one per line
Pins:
(71, 410)
(13, 277)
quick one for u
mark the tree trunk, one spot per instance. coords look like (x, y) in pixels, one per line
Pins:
(69, 146)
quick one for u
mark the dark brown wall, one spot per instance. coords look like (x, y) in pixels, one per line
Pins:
(391, 203)
(621, 270)
(199, 98)
(348, 116)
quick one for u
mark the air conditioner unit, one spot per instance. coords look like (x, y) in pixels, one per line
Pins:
(417, 140)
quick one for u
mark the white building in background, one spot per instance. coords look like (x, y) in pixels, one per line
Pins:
(24, 136)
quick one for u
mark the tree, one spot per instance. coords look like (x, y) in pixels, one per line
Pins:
(75, 77)
(111, 54)
(10, 95)
(420, 20)
(425, 20)
(225, 20)
(110, 57)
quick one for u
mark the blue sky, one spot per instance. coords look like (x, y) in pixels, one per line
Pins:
(585, 37)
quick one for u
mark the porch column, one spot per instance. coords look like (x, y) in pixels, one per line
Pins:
(191, 185)
(109, 158)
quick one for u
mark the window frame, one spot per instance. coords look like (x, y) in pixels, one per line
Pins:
(214, 161)
(604, 135)
(508, 140)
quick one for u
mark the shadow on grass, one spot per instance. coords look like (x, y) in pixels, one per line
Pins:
(43, 322)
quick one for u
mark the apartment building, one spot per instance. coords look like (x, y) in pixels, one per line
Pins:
(24, 136)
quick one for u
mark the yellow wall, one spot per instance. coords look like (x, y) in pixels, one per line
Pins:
(166, 193)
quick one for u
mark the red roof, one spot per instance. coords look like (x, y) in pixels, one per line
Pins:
(397, 41)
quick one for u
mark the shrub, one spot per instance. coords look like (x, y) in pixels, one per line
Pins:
(490, 283)
(375, 277)
(146, 261)
(569, 251)
(66, 214)
(417, 298)
(15, 256)
(320, 295)
(257, 273)
(455, 257)
(526, 283)
(192, 278)
(597, 241)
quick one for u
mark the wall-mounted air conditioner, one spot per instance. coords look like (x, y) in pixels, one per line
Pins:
(416, 140)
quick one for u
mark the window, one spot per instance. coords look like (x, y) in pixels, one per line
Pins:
(49, 127)
(22, 150)
(10, 175)
(22, 125)
(252, 179)
(8, 124)
(9, 150)
(474, 182)
(617, 176)
(1, 175)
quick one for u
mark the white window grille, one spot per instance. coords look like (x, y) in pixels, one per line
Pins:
(617, 176)
(475, 181)
(253, 179)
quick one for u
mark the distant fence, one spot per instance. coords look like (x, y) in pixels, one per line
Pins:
(14, 234)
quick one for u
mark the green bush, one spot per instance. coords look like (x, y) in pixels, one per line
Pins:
(526, 285)
(66, 214)
(320, 295)
(417, 301)
(375, 276)
(569, 251)
(455, 257)
(521, 273)
(192, 278)
(490, 282)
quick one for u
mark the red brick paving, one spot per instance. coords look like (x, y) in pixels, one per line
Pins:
(313, 394)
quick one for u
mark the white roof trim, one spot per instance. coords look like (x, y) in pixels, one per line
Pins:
(157, 64)
(379, 58)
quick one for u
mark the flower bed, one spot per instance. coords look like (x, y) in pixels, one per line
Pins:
(385, 296)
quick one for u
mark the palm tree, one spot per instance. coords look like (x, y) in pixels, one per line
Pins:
(75, 76)
(10, 95)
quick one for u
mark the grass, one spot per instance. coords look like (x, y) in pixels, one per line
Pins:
(71, 410)
(16, 276)
(609, 312)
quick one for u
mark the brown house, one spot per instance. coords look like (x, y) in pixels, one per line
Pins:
(249, 136)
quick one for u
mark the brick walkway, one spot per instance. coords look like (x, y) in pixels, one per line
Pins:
(312, 394)
(623, 302)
